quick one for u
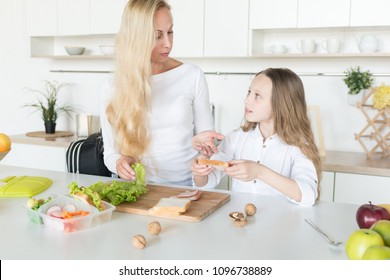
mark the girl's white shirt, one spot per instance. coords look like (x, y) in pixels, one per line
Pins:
(272, 152)
(180, 108)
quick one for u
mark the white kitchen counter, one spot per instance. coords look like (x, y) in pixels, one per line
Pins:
(335, 161)
(277, 231)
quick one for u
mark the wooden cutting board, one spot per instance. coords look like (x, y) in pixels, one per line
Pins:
(198, 210)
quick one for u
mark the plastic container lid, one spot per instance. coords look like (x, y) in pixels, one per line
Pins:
(23, 186)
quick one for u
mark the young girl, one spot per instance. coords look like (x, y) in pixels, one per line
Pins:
(274, 151)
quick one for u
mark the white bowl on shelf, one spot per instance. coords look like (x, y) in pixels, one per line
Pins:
(107, 49)
(278, 49)
(73, 50)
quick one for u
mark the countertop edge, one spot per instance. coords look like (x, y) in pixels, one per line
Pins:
(334, 161)
(60, 142)
(374, 171)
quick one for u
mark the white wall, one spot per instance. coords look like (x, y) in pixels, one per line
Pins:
(340, 121)
(18, 70)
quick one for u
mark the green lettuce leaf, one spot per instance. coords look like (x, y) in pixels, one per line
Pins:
(116, 192)
(93, 195)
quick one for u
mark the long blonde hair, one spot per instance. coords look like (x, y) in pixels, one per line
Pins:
(130, 105)
(291, 120)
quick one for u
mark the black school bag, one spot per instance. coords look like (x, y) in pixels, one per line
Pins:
(85, 156)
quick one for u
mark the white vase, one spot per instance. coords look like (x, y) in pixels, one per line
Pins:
(355, 99)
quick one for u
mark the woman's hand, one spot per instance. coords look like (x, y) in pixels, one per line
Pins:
(244, 170)
(204, 142)
(123, 168)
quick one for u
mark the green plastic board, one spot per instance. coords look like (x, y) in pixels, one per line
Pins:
(23, 186)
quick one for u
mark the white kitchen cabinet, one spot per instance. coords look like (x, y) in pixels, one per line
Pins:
(317, 20)
(265, 14)
(226, 28)
(277, 14)
(77, 21)
(73, 17)
(41, 17)
(188, 26)
(106, 16)
(272, 25)
(370, 13)
(323, 13)
(327, 186)
(36, 156)
(359, 189)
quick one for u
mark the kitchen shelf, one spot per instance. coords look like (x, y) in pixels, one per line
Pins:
(262, 41)
(52, 47)
(265, 55)
(321, 55)
(74, 56)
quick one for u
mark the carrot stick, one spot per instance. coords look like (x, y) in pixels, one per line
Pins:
(66, 215)
(69, 215)
(76, 213)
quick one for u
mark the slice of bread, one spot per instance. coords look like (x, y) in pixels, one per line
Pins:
(170, 207)
(216, 163)
(85, 198)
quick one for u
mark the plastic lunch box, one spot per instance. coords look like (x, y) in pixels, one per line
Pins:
(76, 223)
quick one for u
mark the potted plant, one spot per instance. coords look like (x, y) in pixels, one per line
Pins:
(47, 104)
(357, 82)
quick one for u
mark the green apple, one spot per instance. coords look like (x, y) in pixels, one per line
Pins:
(360, 240)
(383, 228)
(377, 252)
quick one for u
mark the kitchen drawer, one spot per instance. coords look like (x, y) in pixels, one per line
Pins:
(359, 189)
(35, 156)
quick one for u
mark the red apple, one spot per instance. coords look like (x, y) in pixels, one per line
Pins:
(368, 214)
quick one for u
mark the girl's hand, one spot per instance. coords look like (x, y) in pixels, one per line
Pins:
(123, 168)
(244, 170)
(200, 169)
(204, 142)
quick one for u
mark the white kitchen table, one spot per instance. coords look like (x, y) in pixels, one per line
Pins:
(277, 231)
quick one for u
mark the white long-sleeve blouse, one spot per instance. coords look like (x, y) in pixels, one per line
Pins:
(180, 108)
(272, 152)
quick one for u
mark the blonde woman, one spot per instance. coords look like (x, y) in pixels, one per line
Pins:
(274, 151)
(155, 104)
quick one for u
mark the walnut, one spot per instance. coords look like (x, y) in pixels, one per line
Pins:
(238, 218)
(139, 241)
(154, 228)
(250, 209)
(236, 215)
(240, 222)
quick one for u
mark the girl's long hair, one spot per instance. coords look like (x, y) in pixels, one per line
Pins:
(129, 107)
(291, 120)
